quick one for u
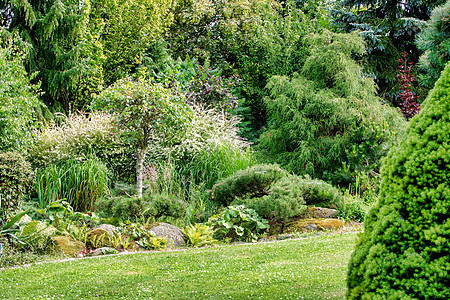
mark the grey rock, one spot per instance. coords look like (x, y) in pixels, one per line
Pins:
(104, 251)
(319, 213)
(173, 234)
(312, 227)
(111, 229)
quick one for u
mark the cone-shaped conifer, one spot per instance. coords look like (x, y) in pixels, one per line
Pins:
(404, 251)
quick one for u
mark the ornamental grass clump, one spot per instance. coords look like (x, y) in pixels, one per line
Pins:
(404, 251)
(80, 183)
(211, 148)
(82, 135)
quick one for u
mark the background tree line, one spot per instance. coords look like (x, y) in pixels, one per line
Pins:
(305, 77)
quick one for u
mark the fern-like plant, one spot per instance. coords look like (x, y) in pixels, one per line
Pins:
(199, 235)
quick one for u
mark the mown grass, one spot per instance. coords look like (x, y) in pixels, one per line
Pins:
(311, 268)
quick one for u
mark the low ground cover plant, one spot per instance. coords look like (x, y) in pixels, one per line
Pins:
(199, 235)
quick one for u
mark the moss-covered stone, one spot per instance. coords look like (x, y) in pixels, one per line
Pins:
(404, 251)
(68, 245)
(304, 225)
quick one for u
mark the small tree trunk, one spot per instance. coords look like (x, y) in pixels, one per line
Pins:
(140, 170)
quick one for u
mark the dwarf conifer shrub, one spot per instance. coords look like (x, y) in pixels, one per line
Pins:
(120, 208)
(251, 182)
(318, 192)
(289, 196)
(165, 204)
(404, 252)
(284, 201)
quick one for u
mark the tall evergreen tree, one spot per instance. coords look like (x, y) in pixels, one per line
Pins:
(55, 30)
(434, 41)
(389, 28)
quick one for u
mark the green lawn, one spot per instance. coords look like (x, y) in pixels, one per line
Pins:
(310, 268)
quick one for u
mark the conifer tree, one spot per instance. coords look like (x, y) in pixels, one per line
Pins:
(54, 29)
(434, 41)
(329, 114)
(404, 251)
(389, 28)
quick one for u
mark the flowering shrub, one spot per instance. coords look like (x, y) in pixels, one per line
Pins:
(210, 88)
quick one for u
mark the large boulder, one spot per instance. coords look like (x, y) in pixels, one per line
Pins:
(171, 233)
(305, 225)
(110, 229)
(313, 224)
(318, 213)
(68, 245)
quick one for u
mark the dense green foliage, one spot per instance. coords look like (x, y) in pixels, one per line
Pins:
(16, 176)
(389, 28)
(55, 31)
(434, 41)
(17, 100)
(250, 182)
(257, 38)
(403, 253)
(126, 29)
(328, 117)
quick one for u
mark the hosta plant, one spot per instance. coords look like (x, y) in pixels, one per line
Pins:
(238, 223)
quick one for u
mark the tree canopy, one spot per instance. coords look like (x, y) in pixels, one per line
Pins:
(144, 109)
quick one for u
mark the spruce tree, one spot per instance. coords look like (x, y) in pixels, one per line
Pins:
(389, 28)
(54, 29)
(434, 41)
(404, 250)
